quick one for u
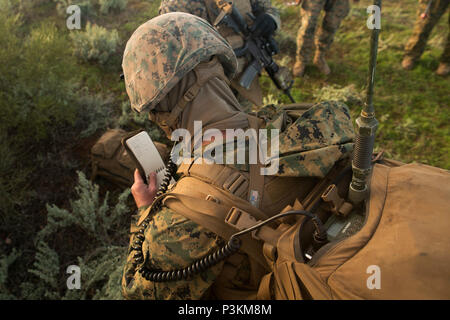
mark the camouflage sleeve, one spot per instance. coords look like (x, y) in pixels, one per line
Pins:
(195, 7)
(269, 9)
(171, 242)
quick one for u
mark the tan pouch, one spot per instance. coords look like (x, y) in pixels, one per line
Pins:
(401, 252)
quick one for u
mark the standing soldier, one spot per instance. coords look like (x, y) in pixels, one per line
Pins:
(429, 13)
(267, 21)
(335, 11)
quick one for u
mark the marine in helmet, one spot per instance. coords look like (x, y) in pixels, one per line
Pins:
(266, 23)
(177, 68)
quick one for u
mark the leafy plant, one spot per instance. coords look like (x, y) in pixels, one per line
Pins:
(86, 7)
(102, 266)
(95, 44)
(5, 262)
(107, 5)
(347, 94)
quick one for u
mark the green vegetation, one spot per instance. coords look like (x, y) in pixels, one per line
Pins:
(95, 44)
(413, 107)
(60, 90)
(53, 106)
(108, 5)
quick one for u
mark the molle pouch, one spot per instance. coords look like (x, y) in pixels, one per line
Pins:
(110, 160)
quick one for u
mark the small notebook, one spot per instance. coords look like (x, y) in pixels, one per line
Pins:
(147, 156)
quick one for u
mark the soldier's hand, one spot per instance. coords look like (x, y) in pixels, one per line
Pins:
(264, 25)
(143, 194)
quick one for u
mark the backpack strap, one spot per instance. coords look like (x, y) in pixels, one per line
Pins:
(256, 184)
(227, 178)
(210, 207)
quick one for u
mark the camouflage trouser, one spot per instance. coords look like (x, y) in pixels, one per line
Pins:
(423, 27)
(335, 11)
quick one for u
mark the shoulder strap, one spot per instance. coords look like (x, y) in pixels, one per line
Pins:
(211, 215)
(221, 176)
(256, 184)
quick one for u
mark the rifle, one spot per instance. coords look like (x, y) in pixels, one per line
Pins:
(424, 14)
(261, 49)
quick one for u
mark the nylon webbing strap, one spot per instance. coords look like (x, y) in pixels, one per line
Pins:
(227, 178)
(256, 184)
(187, 97)
(211, 216)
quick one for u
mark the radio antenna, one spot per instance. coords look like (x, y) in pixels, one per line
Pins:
(366, 127)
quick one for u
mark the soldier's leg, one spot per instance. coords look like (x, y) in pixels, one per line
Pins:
(422, 30)
(330, 24)
(444, 65)
(309, 14)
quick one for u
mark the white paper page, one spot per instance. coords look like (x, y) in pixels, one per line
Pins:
(148, 156)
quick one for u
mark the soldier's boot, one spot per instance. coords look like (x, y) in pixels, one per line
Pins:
(443, 69)
(321, 63)
(299, 69)
(408, 63)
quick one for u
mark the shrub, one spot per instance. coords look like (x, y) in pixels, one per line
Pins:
(86, 7)
(107, 5)
(37, 94)
(5, 262)
(96, 43)
(102, 265)
(37, 86)
(93, 216)
(348, 94)
(101, 275)
(95, 113)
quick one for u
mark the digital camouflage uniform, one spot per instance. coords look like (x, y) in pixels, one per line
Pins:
(313, 141)
(173, 241)
(423, 28)
(198, 8)
(208, 10)
(335, 12)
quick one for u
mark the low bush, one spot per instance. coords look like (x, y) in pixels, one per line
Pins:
(108, 5)
(103, 260)
(95, 43)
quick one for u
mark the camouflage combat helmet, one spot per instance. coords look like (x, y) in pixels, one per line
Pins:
(163, 50)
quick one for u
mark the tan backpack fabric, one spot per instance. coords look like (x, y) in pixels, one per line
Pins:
(401, 252)
(111, 161)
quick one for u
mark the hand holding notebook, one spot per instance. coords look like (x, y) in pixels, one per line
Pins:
(141, 148)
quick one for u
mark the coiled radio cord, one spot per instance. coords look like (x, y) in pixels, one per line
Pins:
(233, 246)
(138, 257)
